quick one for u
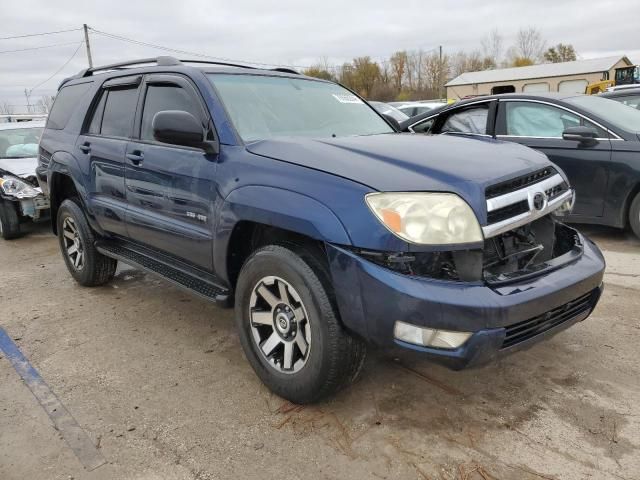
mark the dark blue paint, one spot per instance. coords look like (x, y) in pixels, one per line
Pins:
(187, 203)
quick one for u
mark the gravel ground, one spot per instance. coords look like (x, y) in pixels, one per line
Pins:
(158, 381)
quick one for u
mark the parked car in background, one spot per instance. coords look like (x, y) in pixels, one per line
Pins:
(21, 198)
(22, 117)
(386, 109)
(594, 140)
(628, 96)
(417, 108)
(293, 197)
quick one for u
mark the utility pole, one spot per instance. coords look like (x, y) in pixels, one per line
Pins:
(440, 67)
(86, 43)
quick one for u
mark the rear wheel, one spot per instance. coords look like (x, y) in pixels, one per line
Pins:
(87, 266)
(634, 215)
(289, 327)
(9, 221)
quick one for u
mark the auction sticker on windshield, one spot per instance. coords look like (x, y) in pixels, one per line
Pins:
(346, 98)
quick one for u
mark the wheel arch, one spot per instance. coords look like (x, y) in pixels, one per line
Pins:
(253, 216)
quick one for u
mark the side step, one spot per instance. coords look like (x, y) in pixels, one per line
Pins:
(191, 279)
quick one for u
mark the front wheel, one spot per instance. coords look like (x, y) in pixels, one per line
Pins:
(634, 215)
(87, 266)
(289, 327)
(9, 221)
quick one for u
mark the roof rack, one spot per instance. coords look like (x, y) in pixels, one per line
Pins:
(166, 61)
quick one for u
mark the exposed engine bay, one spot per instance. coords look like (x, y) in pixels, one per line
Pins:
(527, 250)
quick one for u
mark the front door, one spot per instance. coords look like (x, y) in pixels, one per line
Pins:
(540, 126)
(170, 189)
(103, 143)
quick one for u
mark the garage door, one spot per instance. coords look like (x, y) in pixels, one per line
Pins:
(573, 86)
(536, 87)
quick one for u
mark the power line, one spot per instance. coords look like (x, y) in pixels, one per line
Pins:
(186, 52)
(59, 70)
(39, 34)
(39, 48)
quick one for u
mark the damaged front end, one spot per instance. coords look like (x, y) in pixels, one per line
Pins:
(523, 238)
(24, 194)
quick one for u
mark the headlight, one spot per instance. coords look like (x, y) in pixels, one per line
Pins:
(17, 188)
(426, 218)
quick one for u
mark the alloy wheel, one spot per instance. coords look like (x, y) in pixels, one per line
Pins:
(280, 325)
(73, 246)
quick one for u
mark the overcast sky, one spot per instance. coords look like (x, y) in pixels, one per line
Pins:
(291, 32)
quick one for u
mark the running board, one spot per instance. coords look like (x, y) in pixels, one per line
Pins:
(188, 278)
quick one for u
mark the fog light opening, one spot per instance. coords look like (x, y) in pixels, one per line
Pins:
(429, 337)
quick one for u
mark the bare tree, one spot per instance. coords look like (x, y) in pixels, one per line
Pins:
(492, 46)
(45, 103)
(6, 108)
(529, 44)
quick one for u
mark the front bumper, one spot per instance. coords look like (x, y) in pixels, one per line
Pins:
(36, 208)
(371, 298)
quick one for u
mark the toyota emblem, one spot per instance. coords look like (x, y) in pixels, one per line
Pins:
(539, 201)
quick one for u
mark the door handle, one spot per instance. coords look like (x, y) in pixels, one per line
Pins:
(85, 147)
(136, 157)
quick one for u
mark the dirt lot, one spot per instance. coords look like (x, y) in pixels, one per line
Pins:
(158, 381)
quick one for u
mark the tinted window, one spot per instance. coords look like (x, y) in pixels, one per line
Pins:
(263, 107)
(118, 112)
(96, 120)
(65, 104)
(165, 97)
(471, 120)
(538, 120)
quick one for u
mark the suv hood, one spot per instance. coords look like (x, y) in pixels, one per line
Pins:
(410, 162)
(20, 167)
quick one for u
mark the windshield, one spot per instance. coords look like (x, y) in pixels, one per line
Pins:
(613, 112)
(19, 142)
(263, 107)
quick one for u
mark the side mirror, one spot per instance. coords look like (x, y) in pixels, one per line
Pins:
(181, 128)
(394, 123)
(586, 135)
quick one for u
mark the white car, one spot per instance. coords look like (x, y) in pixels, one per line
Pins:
(416, 108)
(21, 198)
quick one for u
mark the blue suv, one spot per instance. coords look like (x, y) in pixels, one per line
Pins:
(293, 198)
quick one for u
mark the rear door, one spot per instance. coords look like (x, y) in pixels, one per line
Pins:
(103, 143)
(540, 125)
(170, 188)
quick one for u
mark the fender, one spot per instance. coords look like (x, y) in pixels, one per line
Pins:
(64, 164)
(275, 207)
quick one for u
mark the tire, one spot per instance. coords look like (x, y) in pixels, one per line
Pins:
(88, 267)
(9, 221)
(333, 358)
(634, 215)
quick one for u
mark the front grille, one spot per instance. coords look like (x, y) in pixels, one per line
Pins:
(519, 332)
(519, 182)
(509, 211)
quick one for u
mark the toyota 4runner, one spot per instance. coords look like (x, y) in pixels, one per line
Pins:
(293, 198)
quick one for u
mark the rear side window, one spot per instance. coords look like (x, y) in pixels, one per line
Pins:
(119, 109)
(165, 97)
(65, 104)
